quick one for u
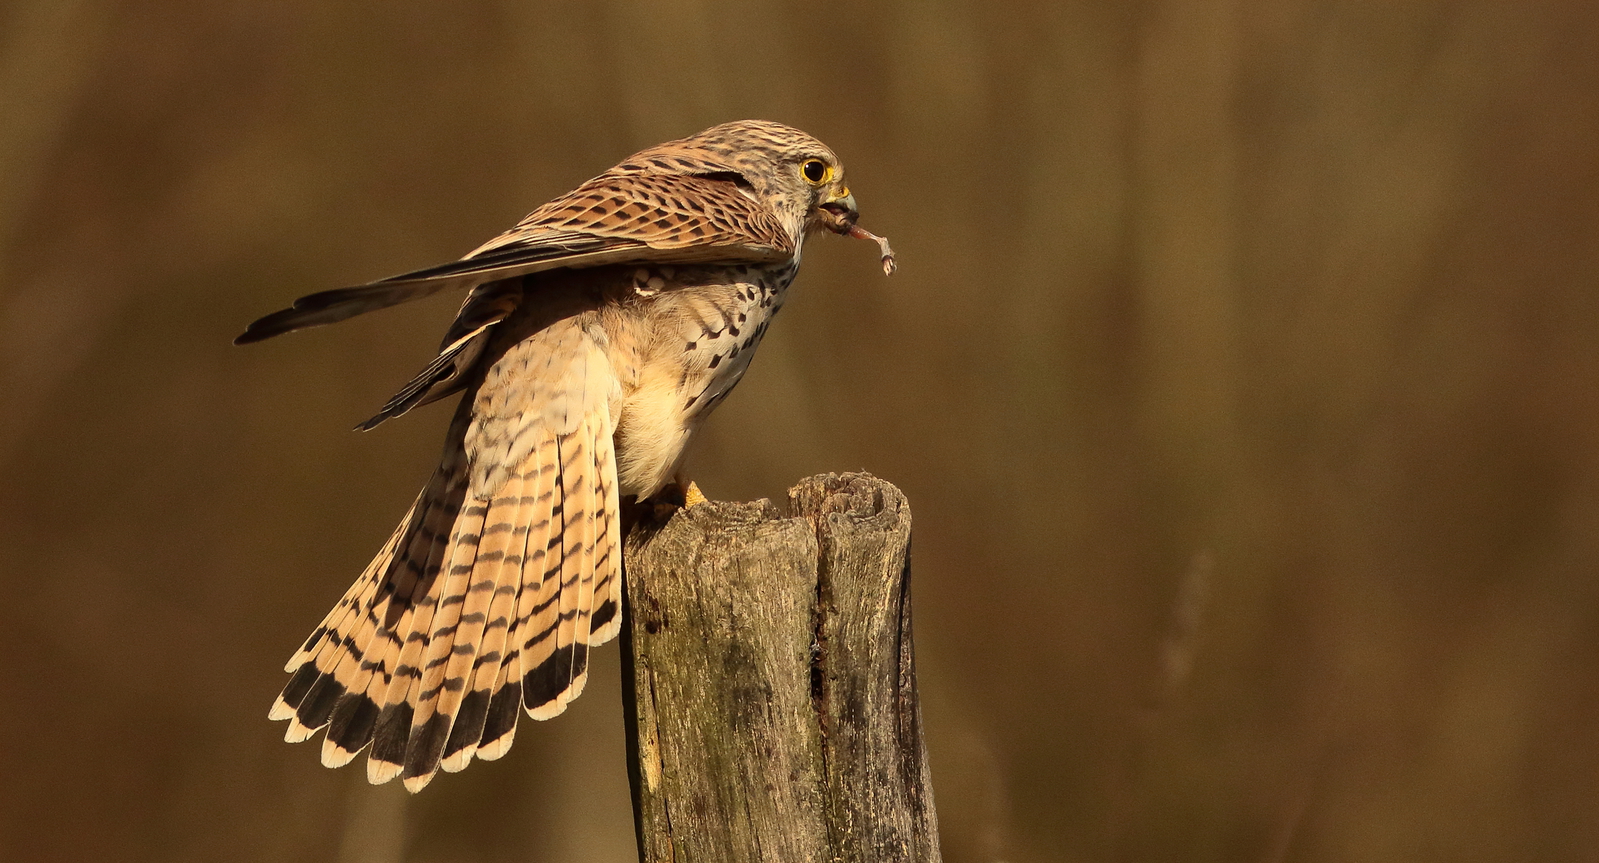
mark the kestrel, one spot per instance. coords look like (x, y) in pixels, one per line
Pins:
(595, 338)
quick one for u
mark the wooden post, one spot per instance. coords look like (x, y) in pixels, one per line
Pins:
(771, 688)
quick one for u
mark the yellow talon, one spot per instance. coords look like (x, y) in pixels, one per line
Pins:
(692, 496)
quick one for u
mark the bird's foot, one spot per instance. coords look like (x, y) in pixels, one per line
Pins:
(676, 496)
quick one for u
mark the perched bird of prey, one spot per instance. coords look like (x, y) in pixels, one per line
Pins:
(595, 338)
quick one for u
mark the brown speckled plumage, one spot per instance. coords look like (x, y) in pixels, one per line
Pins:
(595, 338)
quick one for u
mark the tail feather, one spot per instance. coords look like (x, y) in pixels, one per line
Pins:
(474, 577)
(402, 608)
(538, 610)
(474, 610)
(506, 536)
(351, 725)
(570, 670)
(606, 620)
(316, 663)
(505, 697)
(584, 572)
(440, 637)
(505, 704)
(327, 632)
(353, 717)
(398, 714)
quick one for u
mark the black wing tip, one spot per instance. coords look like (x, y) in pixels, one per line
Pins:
(395, 408)
(297, 315)
(251, 335)
(275, 324)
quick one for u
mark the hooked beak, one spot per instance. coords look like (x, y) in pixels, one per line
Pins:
(839, 215)
(839, 211)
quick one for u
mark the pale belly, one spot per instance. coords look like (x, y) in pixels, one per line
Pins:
(692, 346)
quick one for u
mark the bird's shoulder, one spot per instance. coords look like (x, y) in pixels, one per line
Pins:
(659, 212)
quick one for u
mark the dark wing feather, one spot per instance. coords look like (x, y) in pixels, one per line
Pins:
(329, 307)
(608, 220)
(486, 306)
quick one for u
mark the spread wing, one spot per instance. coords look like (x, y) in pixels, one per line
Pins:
(614, 218)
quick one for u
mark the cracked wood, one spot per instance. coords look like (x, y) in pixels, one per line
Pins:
(771, 688)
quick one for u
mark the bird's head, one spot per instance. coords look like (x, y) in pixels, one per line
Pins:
(798, 178)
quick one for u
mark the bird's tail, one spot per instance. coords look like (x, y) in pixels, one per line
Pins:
(474, 606)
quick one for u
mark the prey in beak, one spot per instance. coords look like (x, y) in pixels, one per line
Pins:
(839, 215)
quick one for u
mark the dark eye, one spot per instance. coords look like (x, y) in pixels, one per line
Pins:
(816, 171)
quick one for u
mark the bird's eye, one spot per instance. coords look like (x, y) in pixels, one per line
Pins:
(816, 171)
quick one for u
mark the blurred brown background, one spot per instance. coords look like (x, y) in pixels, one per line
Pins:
(1242, 370)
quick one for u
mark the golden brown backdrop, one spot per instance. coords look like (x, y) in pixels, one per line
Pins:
(1242, 370)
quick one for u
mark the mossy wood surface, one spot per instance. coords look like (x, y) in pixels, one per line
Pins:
(772, 704)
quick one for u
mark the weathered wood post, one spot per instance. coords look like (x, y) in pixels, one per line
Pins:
(773, 712)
